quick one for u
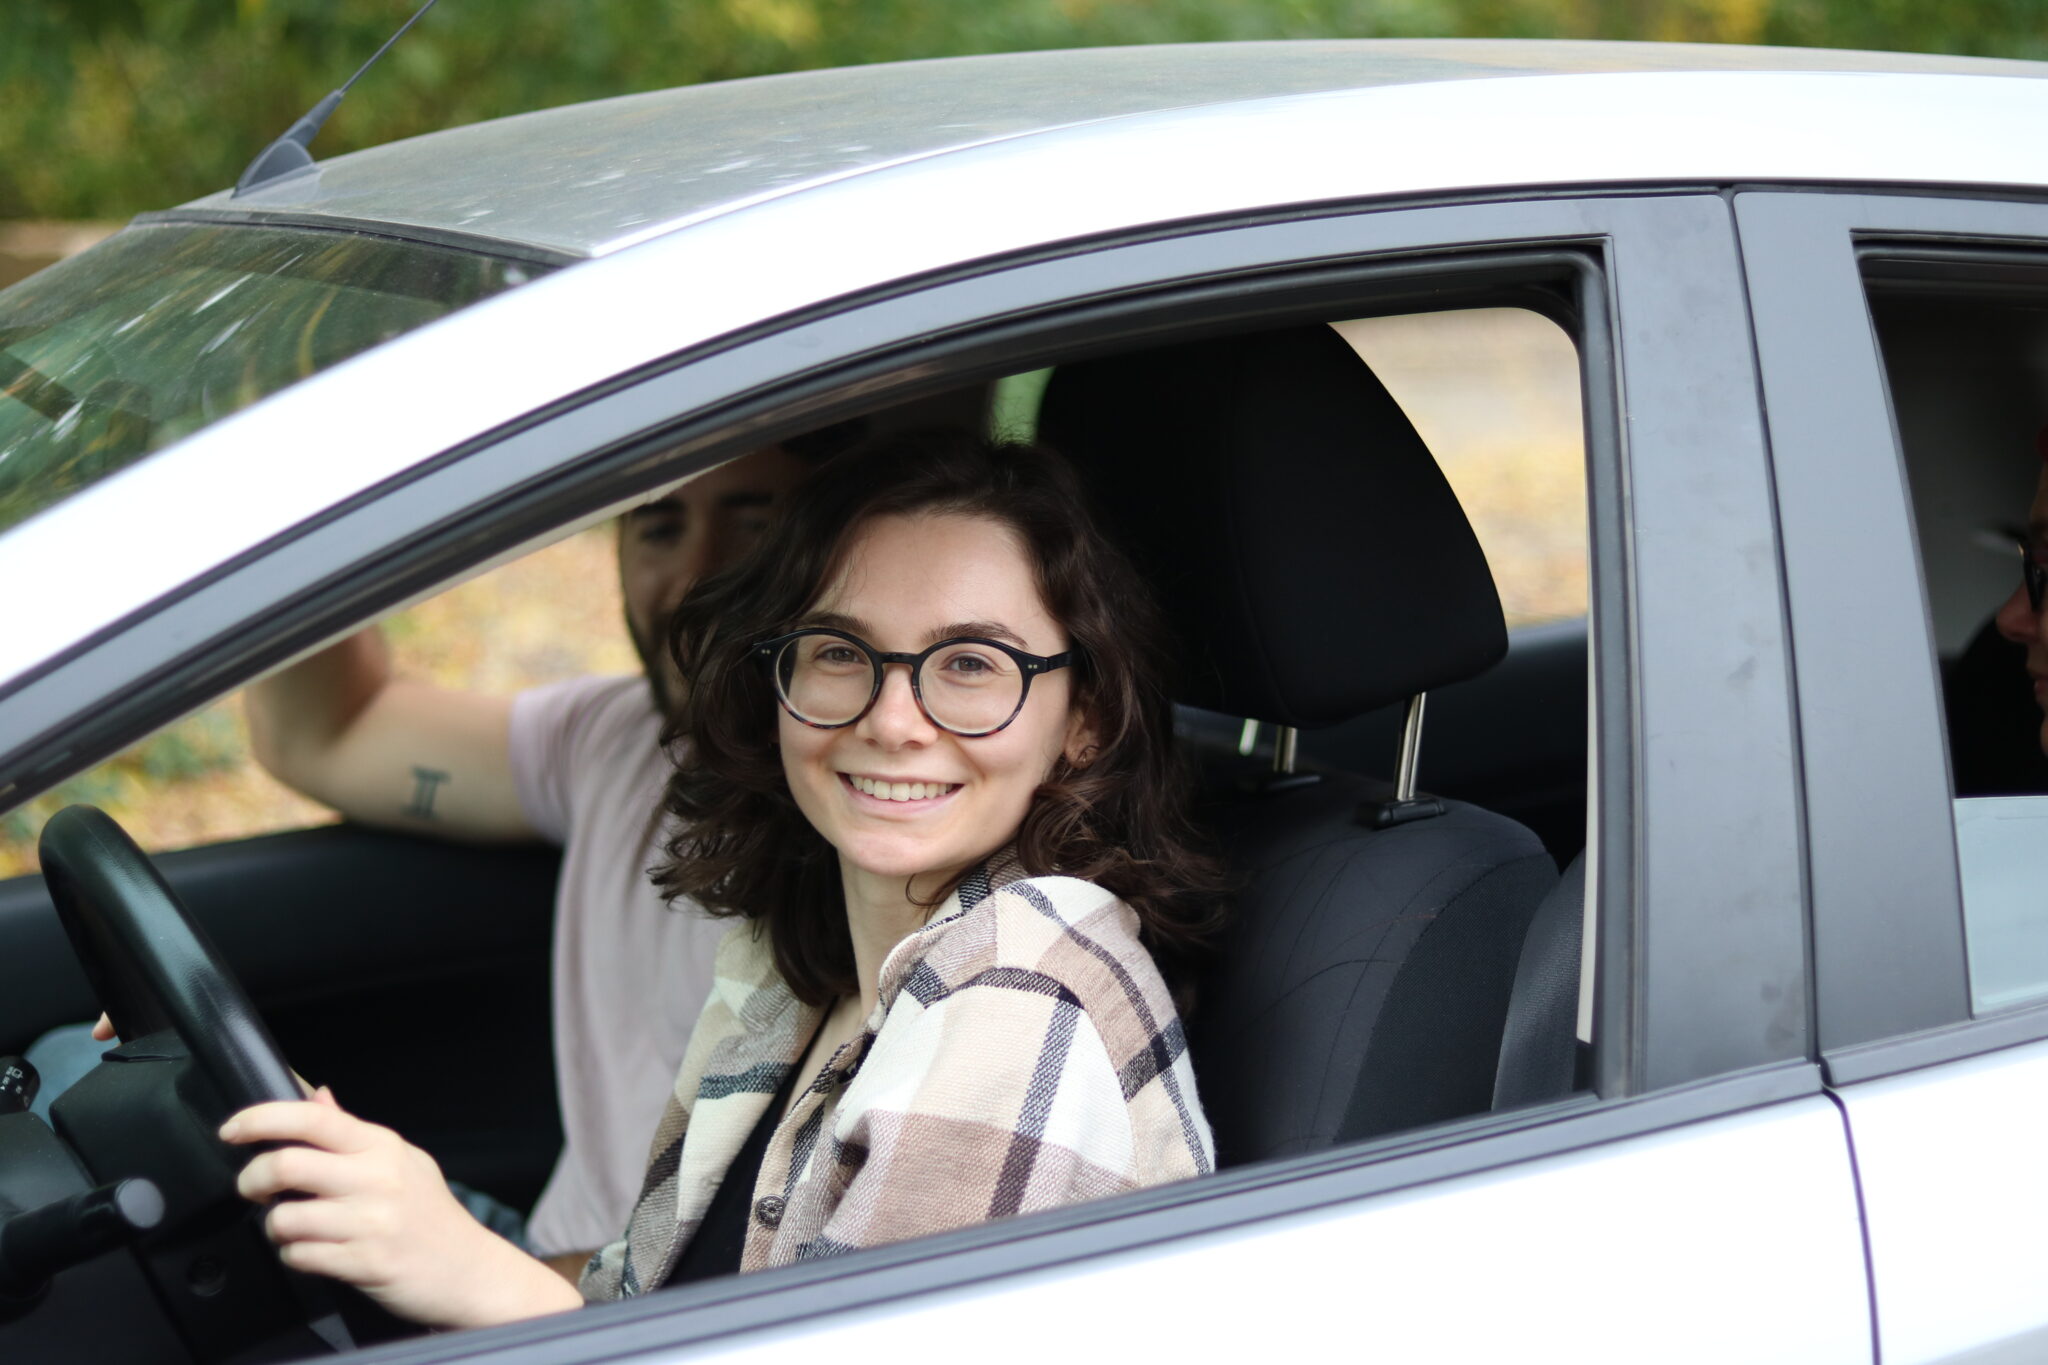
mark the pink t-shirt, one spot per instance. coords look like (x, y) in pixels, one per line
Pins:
(630, 972)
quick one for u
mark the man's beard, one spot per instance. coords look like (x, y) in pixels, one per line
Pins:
(652, 656)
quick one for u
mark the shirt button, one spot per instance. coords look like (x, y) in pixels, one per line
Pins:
(768, 1212)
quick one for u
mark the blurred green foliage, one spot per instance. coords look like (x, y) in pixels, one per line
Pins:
(114, 106)
(207, 743)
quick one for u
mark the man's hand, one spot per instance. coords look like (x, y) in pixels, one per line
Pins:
(374, 1211)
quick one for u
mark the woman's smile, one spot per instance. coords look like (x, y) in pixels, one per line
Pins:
(900, 791)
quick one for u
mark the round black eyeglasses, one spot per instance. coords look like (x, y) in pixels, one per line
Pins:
(967, 686)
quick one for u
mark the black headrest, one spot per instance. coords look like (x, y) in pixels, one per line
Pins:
(1305, 546)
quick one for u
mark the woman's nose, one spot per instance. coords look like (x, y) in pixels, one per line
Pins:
(896, 718)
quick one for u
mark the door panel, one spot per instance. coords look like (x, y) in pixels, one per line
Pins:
(1734, 1239)
(1957, 1194)
(409, 974)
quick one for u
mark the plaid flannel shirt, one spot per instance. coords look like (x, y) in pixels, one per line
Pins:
(1023, 1054)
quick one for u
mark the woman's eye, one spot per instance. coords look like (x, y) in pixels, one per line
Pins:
(969, 666)
(840, 655)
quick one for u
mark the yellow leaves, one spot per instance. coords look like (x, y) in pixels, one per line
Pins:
(793, 23)
(1712, 21)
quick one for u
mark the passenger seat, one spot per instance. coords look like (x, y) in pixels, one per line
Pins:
(1316, 566)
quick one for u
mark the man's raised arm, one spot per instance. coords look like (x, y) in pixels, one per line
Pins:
(338, 727)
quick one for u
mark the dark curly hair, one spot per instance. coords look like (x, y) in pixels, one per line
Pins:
(1120, 820)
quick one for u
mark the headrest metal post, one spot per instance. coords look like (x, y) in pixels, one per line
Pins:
(1283, 748)
(1411, 749)
(1404, 806)
(1248, 739)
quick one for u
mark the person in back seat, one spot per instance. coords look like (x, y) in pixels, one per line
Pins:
(954, 851)
(2022, 622)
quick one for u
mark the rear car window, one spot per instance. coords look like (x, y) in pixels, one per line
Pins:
(164, 329)
(1966, 357)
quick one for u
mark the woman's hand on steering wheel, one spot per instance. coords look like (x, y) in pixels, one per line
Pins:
(355, 1201)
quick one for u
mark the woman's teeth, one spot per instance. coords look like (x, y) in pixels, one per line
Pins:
(901, 791)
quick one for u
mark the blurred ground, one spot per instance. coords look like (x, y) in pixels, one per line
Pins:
(1494, 393)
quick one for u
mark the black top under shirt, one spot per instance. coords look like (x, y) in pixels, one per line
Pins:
(721, 1238)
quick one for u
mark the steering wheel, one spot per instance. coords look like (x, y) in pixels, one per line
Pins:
(151, 966)
(154, 969)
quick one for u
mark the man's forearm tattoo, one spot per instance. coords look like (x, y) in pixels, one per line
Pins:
(425, 782)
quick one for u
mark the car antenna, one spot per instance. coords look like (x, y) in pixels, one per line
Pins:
(288, 154)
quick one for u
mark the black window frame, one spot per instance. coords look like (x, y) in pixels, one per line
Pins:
(1669, 489)
(1890, 959)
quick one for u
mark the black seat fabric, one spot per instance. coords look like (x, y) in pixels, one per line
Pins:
(1316, 566)
(1363, 985)
(1539, 1050)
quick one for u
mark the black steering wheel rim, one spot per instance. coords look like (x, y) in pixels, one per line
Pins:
(150, 964)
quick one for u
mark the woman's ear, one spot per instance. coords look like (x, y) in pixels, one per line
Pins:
(1083, 744)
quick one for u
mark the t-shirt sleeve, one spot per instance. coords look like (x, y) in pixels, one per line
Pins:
(550, 725)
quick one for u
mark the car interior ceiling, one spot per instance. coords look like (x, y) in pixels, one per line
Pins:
(1968, 374)
(1392, 964)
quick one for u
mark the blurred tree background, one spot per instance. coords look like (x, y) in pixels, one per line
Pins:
(115, 106)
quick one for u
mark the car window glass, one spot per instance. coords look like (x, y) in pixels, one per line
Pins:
(1494, 393)
(181, 325)
(1967, 365)
(550, 615)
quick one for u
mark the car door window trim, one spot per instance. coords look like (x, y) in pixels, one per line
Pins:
(1891, 977)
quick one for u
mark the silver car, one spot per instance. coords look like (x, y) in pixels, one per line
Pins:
(1762, 1074)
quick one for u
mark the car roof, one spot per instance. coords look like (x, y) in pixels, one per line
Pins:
(589, 179)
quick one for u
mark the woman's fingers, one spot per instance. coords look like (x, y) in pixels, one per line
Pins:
(321, 1123)
(330, 1220)
(299, 1170)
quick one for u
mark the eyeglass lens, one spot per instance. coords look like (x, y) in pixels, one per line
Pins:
(2035, 575)
(965, 687)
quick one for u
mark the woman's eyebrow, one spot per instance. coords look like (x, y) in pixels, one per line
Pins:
(987, 630)
(832, 620)
(854, 625)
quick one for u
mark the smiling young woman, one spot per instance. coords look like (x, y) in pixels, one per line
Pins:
(931, 762)
(929, 766)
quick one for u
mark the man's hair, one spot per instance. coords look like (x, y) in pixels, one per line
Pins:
(1118, 819)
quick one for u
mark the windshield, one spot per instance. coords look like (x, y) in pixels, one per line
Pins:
(164, 329)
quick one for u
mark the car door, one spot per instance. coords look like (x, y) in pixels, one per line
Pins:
(1696, 1203)
(409, 974)
(1898, 451)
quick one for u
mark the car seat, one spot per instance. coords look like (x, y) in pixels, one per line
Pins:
(1315, 566)
(1541, 1057)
